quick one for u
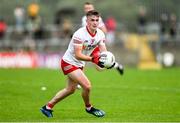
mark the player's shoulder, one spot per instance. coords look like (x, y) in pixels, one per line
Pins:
(79, 31)
(99, 31)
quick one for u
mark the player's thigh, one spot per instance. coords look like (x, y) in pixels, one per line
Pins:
(78, 76)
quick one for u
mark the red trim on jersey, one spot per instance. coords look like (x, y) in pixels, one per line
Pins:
(77, 38)
(92, 35)
(68, 68)
(77, 41)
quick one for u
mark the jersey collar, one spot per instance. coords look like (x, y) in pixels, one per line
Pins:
(92, 35)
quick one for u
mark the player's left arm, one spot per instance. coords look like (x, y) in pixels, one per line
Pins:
(103, 28)
(102, 47)
(101, 44)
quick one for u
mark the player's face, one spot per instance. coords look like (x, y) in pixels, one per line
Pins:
(88, 8)
(92, 22)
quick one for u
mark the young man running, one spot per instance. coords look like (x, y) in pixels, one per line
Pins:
(79, 51)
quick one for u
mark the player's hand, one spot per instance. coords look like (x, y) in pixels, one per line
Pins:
(96, 58)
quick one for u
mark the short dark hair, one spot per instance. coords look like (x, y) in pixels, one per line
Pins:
(87, 3)
(93, 12)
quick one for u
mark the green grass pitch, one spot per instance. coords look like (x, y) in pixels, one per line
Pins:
(151, 95)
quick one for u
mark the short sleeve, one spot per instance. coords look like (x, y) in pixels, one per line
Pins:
(77, 38)
(101, 23)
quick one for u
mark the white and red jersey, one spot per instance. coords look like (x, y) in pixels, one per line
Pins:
(84, 23)
(89, 42)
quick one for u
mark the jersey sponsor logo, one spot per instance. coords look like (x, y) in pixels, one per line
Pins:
(92, 41)
(104, 40)
(68, 67)
(88, 45)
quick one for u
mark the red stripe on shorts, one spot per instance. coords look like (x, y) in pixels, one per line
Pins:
(68, 68)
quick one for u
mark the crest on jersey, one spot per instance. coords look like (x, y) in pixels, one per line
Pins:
(89, 44)
(92, 41)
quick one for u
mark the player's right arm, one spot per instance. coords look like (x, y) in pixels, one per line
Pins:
(80, 56)
(77, 41)
(78, 52)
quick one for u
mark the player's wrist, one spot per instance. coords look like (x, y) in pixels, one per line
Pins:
(91, 58)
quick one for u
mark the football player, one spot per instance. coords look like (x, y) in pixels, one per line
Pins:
(89, 7)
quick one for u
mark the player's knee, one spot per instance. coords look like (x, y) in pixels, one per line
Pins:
(87, 87)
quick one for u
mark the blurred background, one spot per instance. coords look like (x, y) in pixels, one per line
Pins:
(141, 33)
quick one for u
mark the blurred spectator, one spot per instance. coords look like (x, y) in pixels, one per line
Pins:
(88, 7)
(33, 10)
(173, 25)
(63, 13)
(3, 27)
(164, 23)
(142, 20)
(111, 25)
(63, 22)
(34, 27)
(34, 22)
(67, 28)
(19, 14)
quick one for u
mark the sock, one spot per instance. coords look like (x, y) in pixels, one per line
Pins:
(88, 107)
(49, 106)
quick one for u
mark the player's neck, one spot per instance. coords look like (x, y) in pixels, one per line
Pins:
(91, 31)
